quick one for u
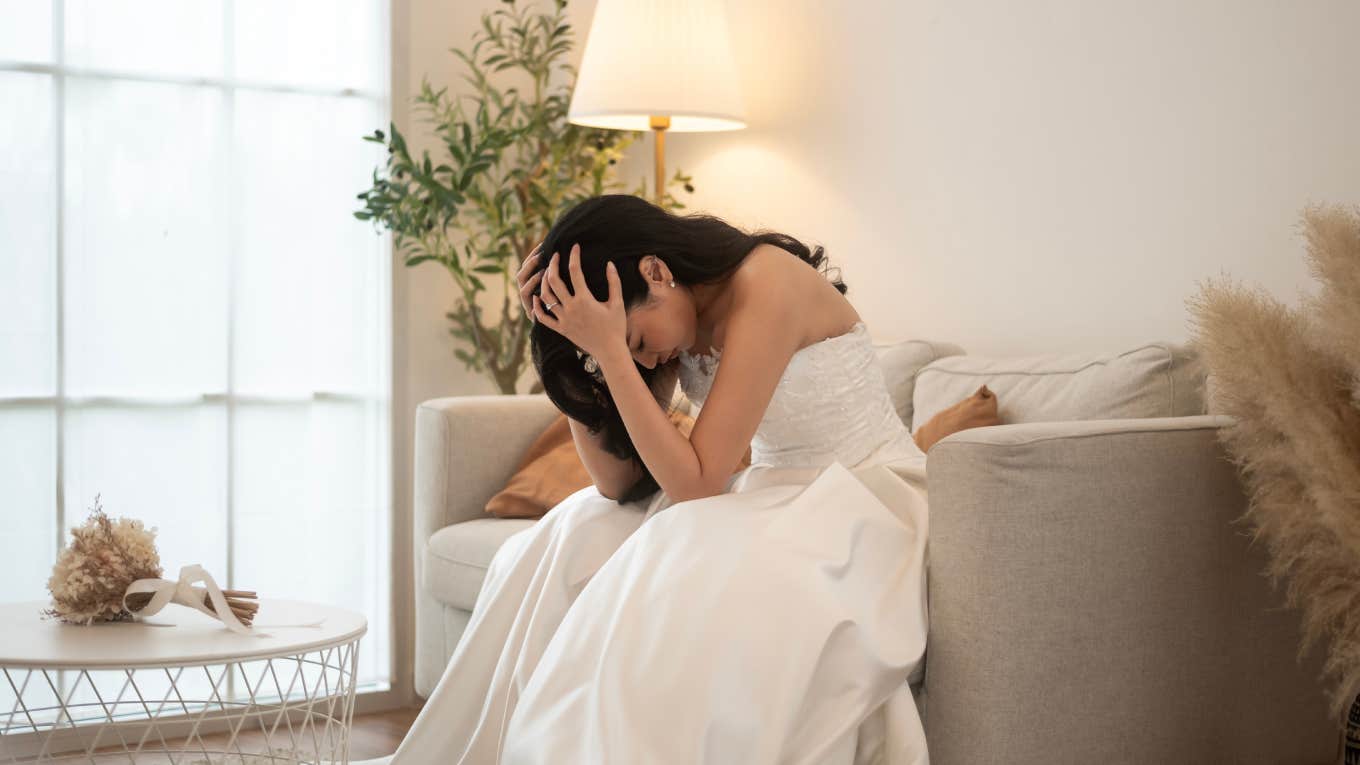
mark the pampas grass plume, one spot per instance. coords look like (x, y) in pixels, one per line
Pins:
(1290, 379)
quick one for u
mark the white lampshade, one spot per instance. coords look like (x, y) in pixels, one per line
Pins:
(668, 58)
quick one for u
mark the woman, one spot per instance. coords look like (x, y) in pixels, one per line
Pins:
(772, 614)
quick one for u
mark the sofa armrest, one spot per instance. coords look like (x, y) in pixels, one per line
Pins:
(466, 449)
(1091, 600)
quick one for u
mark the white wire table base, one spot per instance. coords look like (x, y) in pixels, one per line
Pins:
(289, 709)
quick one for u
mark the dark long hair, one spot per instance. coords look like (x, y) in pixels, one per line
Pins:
(698, 249)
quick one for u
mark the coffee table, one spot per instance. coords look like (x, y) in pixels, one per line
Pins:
(179, 687)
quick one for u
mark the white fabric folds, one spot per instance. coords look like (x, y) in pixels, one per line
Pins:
(777, 623)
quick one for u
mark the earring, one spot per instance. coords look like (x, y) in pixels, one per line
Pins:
(672, 282)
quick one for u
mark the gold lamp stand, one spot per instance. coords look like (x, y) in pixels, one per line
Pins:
(659, 126)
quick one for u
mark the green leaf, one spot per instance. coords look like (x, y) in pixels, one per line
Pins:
(489, 269)
(470, 171)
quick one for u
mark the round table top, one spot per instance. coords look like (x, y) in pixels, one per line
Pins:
(177, 636)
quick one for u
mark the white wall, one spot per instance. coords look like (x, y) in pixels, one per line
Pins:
(1037, 176)
(1016, 177)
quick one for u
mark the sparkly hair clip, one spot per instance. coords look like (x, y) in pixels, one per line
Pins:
(591, 366)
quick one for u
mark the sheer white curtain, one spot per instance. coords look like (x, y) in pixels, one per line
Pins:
(192, 323)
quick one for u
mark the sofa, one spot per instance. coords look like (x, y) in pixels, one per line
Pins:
(1091, 597)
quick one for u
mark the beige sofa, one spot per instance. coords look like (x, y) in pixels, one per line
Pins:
(1090, 600)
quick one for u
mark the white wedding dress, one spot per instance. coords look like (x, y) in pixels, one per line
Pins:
(777, 622)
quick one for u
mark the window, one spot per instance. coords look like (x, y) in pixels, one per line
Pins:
(192, 323)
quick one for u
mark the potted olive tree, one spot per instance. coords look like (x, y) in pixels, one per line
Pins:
(510, 163)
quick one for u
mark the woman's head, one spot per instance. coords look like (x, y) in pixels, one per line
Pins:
(652, 249)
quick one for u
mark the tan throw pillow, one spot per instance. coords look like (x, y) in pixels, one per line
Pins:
(547, 474)
(551, 471)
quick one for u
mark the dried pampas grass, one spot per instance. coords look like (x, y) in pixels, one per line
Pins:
(1291, 381)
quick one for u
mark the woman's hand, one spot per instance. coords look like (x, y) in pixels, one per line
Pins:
(528, 282)
(596, 327)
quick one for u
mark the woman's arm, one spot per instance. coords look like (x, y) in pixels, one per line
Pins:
(613, 476)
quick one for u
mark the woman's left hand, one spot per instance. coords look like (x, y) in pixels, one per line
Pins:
(596, 327)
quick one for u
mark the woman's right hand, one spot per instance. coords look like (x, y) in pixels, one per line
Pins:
(528, 279)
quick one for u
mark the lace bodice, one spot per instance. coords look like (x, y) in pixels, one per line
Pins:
(831, 404)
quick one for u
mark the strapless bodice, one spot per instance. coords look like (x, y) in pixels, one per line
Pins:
(831, 404)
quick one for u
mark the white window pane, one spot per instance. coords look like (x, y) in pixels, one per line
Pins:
(310, 516)
(90, 693)
(28, 291)
(163, 466)
(26, 31)
(182, 38)
(28, 475)
(145, 246)
(310, 269)
(316, 43)
(38, 695)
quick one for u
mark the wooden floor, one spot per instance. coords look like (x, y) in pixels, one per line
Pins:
(377, 734)
(372, 735)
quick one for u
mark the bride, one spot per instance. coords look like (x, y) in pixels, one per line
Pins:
(680, 609)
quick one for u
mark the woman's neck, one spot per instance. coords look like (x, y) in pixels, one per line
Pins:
(711, 305)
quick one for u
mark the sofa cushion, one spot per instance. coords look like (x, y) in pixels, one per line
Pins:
(902, 361)
(1152, 380)
(456, 557)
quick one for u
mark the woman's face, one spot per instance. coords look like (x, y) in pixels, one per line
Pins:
(662, 325)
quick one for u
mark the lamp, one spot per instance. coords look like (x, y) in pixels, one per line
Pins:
(658, 65)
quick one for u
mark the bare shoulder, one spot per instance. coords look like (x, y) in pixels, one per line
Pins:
(768, 264)
(771, 282)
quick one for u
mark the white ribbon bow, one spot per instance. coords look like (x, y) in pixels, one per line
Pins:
(186, 594)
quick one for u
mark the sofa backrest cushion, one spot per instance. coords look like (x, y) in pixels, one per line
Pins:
(902, 361)
(1156, 379)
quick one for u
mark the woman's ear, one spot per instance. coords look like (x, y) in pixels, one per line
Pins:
(654, 269)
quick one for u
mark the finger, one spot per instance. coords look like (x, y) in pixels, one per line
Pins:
(545, 274)
(527, 288)
(554, 280)
(611, 275)
(529, 261)
(527, 297)
(542, 316)
(578, 279)
(547, 294)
